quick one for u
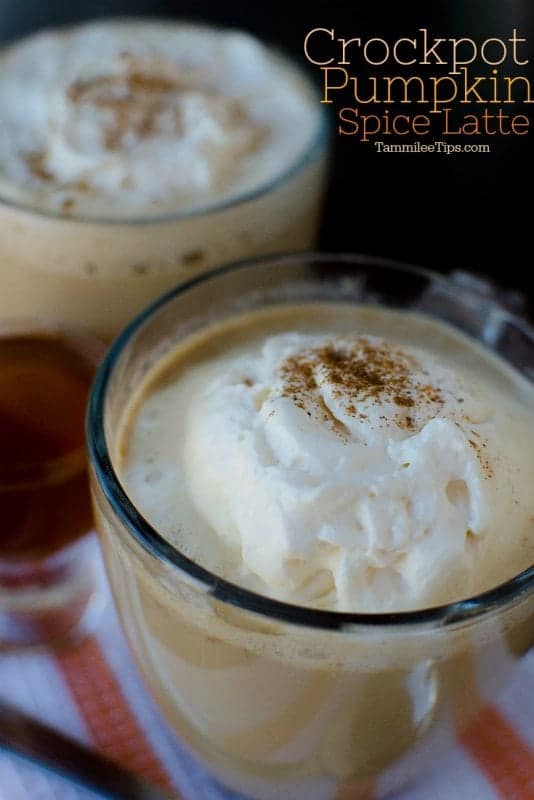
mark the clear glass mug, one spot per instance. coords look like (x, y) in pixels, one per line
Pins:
(244, 679)
(51, 590)
(99, 273)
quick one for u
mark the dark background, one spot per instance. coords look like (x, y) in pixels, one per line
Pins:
(467, 211)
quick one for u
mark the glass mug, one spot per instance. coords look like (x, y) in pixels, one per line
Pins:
(50, 589)
(249, 682)
(99, 273)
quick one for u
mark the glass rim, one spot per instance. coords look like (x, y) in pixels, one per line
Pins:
(318, 141)
(225, 590)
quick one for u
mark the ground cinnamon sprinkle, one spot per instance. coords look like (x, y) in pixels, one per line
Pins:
(137, 97)
(134, 99)
(36, 163)
(361, 370)
(483, 459)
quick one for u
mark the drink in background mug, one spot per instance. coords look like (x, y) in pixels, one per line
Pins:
(149, 153)
(48, 584)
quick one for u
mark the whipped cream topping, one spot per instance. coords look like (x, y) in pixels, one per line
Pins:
(349, 473)
(125, 118)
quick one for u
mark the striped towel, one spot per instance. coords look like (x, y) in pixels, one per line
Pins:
(94, 693)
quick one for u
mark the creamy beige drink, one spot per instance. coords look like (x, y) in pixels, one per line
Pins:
(136, 154)
(335, 457)
(327, 459)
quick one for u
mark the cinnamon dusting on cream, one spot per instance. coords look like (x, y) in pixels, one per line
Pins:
(359, 370)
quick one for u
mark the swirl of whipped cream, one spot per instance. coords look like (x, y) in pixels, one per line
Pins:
(346, 472)
(145, 116)
(124, 127)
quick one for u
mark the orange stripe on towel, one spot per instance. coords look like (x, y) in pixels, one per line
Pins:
(502, 755)
(111, 723)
